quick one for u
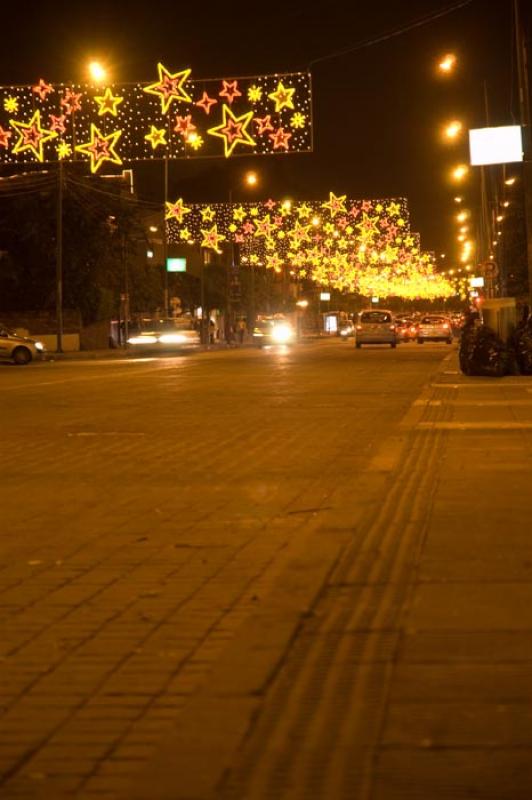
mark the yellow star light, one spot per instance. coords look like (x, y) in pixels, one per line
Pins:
(195, 141)
(254, 94)
(156, 137)
(282, 97)
(304, 211)
(101, 148)
(32, 136)
(233, 130)
(336, 205)
(207, 214)
(394, 209)
(185, 234)
(169, 87)
(239, 214)
(107, 103)
(11, 105)
(212, 239)
(176, 210)
(63, 150)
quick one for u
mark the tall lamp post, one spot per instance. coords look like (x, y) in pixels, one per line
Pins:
(251, 181)
(525, 115)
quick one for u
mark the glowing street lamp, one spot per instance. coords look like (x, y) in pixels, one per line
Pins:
(447, 64)
(452, 130)
(460, 173)
(251, 178)
(510, 181)
(97, 72)
(458, 200)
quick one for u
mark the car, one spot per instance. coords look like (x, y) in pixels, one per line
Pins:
(376, 327)
(346, 330)
(19, 349)
(434, 328)
(164, 334)
(405, 329)
(273, 330)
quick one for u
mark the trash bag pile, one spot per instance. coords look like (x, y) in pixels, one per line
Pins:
(522, 344)
(483, 353)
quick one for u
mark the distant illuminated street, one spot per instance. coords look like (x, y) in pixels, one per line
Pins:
(148, 507)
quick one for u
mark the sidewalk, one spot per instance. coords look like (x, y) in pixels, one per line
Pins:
(394, 662)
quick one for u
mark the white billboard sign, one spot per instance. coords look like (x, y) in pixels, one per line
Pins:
(503, 145)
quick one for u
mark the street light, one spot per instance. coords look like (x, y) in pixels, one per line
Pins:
(251, 178)
(510, 181)
(458, 200)
(447, 64)
(97, 71)
(460, 173)
(452, 130)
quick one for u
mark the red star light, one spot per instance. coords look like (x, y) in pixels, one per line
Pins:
(184, 126)
(176, 210)
(169, 87)
(71, 101)
(5, 136)
(230, 91)
(264, 124)
(42, 89)
(206, 102)
(57, 123)
(280, 139)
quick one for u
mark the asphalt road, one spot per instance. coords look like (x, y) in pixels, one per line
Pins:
(148, 507)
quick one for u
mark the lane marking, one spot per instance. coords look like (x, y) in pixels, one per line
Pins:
(500, 384)
(106, 433)
(474, 426)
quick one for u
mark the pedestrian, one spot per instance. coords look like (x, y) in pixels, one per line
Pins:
(241, 329)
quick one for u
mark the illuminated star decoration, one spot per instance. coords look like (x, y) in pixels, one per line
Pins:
(336, 205)
(101, 148)
(264, 124)
(156, 137)
(282, 97)
(71, 102)
(206, 102)
(57, 124)
(230, 91)
(42, 89)
(32, 136)
(184, 126)
(5, 136)
(233, 130)
(64, 150)
(297, 120)
(280, 138)
(212, 239)
(254, 94)
(169, 87)
(176, 210)
(107, 103)
(11, 105)
(207, 214)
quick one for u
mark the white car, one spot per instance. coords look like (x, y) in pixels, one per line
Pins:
(376, 327)
(164, 334)
(19, 349)
(434, 328)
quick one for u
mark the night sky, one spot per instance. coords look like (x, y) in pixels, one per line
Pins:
(377, 111)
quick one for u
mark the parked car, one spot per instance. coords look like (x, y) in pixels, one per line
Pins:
(273, 330)
(346, 330)
(19, 349)
(376, 327)
(163, 335)
(434, 328)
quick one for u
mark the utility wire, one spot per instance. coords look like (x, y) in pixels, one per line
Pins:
(419, 22)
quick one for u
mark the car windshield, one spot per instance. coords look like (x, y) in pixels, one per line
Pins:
(432, 320)
(7, 331)
(375, 317)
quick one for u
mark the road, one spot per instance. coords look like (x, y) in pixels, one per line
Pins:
(148, 509)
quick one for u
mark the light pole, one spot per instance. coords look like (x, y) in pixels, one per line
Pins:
(525, 115)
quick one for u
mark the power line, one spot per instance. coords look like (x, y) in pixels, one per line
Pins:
(419, 22)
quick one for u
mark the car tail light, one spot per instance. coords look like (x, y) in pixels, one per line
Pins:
(412, 329)
(359, 327)
(445, 326)
(392, 327)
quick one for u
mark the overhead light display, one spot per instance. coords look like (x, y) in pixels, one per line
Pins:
(175, 116)
(363, 246)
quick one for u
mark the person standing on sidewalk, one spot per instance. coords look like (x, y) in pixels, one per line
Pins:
(241, 328)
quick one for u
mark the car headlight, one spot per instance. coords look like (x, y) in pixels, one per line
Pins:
(142, 340)
(172, 338)
(282, 334)
(39, 346)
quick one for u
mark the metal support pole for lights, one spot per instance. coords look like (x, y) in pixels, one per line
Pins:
(524, 109)
(59, 262)
(126, 289)
(165, 241)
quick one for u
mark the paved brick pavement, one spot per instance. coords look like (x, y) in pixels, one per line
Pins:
(410, 672)
(149, 512)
